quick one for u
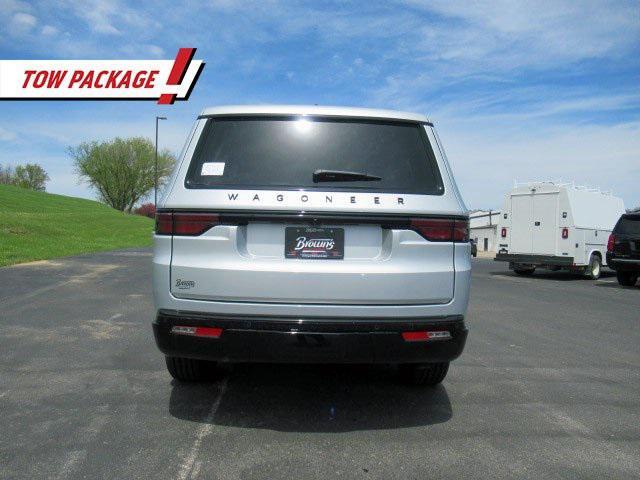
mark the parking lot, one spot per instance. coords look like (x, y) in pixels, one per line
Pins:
(549, 386)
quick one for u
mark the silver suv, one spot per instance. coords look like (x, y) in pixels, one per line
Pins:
(314, 235)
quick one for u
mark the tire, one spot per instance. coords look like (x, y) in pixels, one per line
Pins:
(424, 373)
(594, 268)
(627, 279)
(189, 369)
(524, 271)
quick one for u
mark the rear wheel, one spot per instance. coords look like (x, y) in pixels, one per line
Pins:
(424, 373)
(627, 279)
(520, 270)
(190, 369)
(594, 268)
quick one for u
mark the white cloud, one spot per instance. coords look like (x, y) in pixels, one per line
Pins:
(22, 23)
(514, 33)
(518, 106)
(143, 50)
(111, 17)
(99, 18)
(487, 158)
(6, 135)
(7, 7)
(64, 133)
(115, 28)
(155, 50)
(49, 30)
(460, 35)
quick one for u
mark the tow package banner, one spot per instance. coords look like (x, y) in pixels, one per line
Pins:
(162, 80)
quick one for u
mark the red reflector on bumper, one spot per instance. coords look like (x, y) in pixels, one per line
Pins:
(425, 336)
(211, 332)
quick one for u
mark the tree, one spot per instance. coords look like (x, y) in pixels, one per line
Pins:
(6, 175)
(31, 176)
(121, 170)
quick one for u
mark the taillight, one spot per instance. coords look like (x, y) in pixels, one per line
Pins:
(565, 232)
(187, 224)
(442, 229)
(503, 232)
(164, 223)
(422, 336)
(611, 242)
(461, 230)
(193, 223)
(210, 332)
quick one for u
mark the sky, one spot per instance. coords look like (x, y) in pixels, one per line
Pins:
(518, 90)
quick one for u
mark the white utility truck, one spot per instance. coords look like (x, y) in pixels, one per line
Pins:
(556, 226)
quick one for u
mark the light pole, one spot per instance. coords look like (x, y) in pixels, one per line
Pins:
(155, 177)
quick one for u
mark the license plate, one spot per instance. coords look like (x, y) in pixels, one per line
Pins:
(314, 243)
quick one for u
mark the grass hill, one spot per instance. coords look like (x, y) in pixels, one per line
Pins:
(38, 226)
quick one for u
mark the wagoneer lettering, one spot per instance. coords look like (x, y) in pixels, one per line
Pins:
(328, 199)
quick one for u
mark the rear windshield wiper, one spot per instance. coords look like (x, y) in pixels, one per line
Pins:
(341, 176)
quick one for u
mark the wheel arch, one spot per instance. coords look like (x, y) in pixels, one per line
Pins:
(598, 253)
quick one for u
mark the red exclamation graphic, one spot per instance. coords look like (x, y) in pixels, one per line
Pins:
(179, 69)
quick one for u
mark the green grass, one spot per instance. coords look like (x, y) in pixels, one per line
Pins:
(38, 226)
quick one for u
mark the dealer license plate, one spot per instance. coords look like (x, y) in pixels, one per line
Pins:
(314, 243)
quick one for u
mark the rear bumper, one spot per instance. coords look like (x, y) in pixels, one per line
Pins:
(534, 259)
(623, 264)
(289, 340)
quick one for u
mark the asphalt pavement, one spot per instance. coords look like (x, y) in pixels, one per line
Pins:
(548, 387)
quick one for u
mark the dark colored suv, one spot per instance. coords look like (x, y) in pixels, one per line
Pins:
(623, 249)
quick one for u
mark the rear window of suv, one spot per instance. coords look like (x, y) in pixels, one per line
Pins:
(284, 152)
(628, 225)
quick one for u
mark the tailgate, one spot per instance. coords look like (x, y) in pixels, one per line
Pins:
(627, 247)
(381, 264)
(627, 237)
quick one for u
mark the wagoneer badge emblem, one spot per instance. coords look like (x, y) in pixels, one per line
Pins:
(185, 284)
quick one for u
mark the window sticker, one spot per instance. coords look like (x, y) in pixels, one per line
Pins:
(212, 168)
